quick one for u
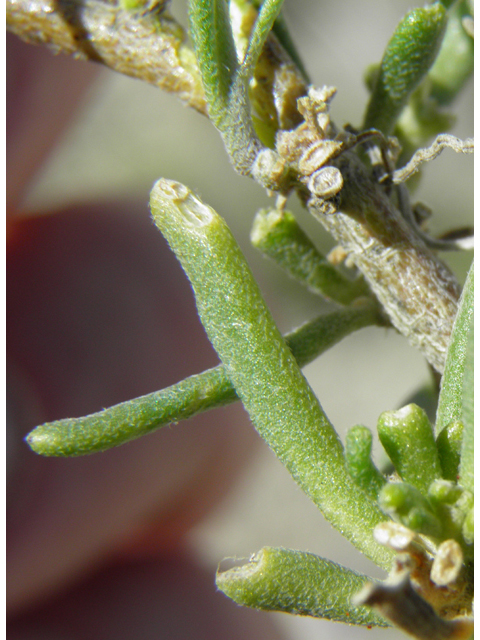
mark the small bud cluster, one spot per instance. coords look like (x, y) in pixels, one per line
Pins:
(428, 592)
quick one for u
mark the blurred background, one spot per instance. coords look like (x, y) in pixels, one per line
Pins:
(126, 134)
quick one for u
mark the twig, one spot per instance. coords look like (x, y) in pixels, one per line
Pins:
(418, 292)
(149, 46)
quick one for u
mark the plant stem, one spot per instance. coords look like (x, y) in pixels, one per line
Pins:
(150, 46)
(416, 289)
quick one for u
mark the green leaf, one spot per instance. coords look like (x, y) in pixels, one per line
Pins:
(278, 236)
(467, 458)
(425, 117)
(408, 57)
(444, 492)
(225, 88)
(276, 579)
(273, 81)
(454, 64)
(215, 50)
(407, 437)
(448, 3)
(358, 449)
(212, 388)
(451, 400)
(452, 503)
(313, 338)
(406, 504)
(130, 420)
(280, 29)
(263, 25)
(449, 446)
(266, 376)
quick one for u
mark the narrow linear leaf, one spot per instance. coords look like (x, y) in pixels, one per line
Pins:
(278, 236)
(425, 116)
(467, 457)
(451, 400)
(313, 338)
(266, 376)
(215, 51)
(275, 83)
(280, 29)
(267, 105)
(130, 420)
(225, 88)
(198, 393)
(263, 25)
(276, 579)
(408, 57)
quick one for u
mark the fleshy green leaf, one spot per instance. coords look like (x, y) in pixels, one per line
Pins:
(454, 64)
(425, 117)
(407, 437)
(451, 400)
(266, 376)
(449, 445)
(408, 57)
(300, 583)
(358, 449)
(275, 80)
(278, 236)
(212, 388)
(453, 504)
(444, 492)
